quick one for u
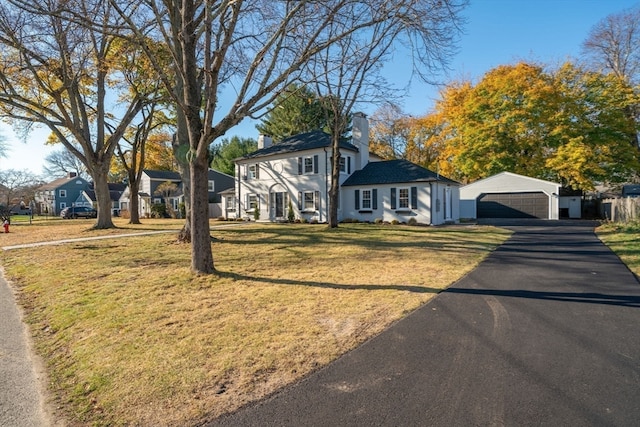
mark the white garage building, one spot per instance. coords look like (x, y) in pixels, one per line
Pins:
(509, 195)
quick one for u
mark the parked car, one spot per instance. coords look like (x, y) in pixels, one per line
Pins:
(78, 212)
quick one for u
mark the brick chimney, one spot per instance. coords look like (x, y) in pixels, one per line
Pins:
(360, 138)
(264, 141)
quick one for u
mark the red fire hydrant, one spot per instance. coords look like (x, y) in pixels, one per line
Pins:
(5, 224)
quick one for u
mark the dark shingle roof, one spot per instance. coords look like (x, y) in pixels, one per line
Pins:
(301, 142)
(393, 172)
(165, 175)
(115, 191)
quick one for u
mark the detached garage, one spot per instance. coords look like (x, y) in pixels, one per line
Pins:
(509, 195)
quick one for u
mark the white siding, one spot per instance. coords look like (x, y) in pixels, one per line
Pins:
(507, 182)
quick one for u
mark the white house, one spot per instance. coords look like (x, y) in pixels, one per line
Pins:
(296, 174)
(509, 195)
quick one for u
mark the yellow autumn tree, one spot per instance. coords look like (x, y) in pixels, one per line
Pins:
(567, 125)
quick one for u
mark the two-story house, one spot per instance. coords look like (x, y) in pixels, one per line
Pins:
(51, 198)
(295, 174)
(149, 193)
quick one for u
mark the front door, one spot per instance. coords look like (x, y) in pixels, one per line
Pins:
(279, 205)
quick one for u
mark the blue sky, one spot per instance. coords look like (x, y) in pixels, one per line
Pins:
(497, 32)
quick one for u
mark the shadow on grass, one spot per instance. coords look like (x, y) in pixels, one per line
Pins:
(365, 235)
(587, 297)
(325, 285)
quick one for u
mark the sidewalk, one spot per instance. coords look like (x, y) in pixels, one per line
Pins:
(20, 394)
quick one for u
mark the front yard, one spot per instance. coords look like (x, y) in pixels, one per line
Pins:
(131, 337)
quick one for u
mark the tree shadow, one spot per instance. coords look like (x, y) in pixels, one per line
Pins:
(580, 297)
(326, 285)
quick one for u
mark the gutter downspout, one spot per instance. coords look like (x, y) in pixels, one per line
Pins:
(326, 183)
(239, 198)
(432, 203)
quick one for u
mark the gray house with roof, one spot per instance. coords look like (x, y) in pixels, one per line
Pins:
(149, 195)
(296, 174)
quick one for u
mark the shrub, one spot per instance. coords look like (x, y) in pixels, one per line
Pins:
(395, 222)
(412, 221)
(313, 221)
(125, 214)
(256, 214)
(378, 221)
(158, 210)
(290, 215)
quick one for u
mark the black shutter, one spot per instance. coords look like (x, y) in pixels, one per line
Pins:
(414, 197)
(357, 199)
(300, 200)
(349, 165)
(315, 164)
(299, 165)
(374, 199)
(393, 198)
(257, 171)
(316, 199)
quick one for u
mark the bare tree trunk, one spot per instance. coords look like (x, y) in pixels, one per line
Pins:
(134, 204)
(334, 192)
(201, 255)
(180, 145)
(103, 196)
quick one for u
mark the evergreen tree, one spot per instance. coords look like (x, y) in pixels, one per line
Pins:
(224, 153)
(296, 110)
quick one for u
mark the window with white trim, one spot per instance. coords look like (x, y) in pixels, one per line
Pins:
(308, 165)
(252, 171)
(231, 203)
(252, 202)
(62, 193)
(309, 201)
(366, 199)
(343, 164)
(403, 198)
(211, 186)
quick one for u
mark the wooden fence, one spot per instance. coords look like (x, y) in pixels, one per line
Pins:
(625, 209)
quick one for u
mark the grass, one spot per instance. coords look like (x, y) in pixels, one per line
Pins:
(624, 240)
(131, 337)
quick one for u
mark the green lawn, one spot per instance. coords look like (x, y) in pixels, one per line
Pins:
(624, 240)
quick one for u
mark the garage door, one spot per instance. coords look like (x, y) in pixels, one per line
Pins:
(513, 205)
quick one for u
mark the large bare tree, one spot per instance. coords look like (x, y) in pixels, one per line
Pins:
(252, 50)
(348, 73)
(60, 72)
(613, 45)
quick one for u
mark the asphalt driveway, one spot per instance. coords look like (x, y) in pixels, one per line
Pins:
(546, 331)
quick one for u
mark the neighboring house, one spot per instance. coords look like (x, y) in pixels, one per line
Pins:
(296, 174)
(509, 195)
(51, 198)
(152, 179)
(631, 190)
(88, 197)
